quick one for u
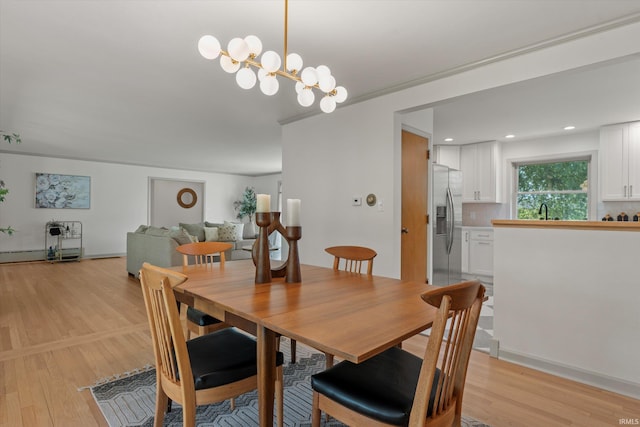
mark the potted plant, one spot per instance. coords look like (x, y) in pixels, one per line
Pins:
(246, 206)
(8, 137)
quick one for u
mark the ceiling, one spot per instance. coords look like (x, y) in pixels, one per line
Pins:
(122, 81)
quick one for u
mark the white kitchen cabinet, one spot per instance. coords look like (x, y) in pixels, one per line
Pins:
(448, 155)
(480, 168)
(477, 251)
(620, 162)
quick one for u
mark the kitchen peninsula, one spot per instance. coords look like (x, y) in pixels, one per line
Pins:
(567, 299)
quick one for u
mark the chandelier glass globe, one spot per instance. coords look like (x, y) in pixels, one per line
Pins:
(229, 65)
(238, 49)
(246, 78)
(294, 62)
(209, 47)
(327, 104)
(269, 85)
(306, 97)
(341, 94)
(271, 61)
(309, 76)
(255, 45)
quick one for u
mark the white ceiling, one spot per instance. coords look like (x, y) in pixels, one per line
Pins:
(122, 81)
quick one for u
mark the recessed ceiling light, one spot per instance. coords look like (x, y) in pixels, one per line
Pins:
(448, 139)
(510, 136)
(569, 127)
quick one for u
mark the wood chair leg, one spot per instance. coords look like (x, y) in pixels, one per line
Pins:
(161, 404)
(279, 397)
(315, 410)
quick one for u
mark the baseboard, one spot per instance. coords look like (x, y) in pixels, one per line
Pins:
(39, 255)
(595, 379)
(22, 256)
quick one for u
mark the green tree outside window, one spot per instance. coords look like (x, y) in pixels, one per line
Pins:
(562, 185)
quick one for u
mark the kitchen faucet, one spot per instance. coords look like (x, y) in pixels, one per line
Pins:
(546, 211)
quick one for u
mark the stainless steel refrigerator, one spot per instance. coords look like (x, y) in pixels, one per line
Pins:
(446, 200)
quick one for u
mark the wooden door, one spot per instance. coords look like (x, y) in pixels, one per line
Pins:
(414, 207)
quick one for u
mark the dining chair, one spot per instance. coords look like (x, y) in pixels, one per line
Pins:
(207, 369)
(202, 253)
(353, 257)
(398, 388)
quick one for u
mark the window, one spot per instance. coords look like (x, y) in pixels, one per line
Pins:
(561, 184)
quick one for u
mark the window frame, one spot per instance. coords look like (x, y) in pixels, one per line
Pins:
(590, 157)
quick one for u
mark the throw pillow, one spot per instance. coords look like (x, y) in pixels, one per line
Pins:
(180, 236)
(211, 234)
(194, 229)
(230, 232)
(249, 231)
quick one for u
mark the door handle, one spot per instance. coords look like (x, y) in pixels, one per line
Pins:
(405, 230)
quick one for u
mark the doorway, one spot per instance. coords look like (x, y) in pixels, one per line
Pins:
(415, 165)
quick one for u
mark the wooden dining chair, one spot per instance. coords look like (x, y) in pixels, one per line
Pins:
(353, 257)
(207, 369)
(398, 388)
(202, 253)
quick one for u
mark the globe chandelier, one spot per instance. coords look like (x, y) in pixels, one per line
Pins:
(241, 55)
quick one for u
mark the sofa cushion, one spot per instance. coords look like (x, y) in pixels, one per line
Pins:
(142, 229)
(213, 224)
(230, 232)
(194, 229)
(157, 231)
(211, 234)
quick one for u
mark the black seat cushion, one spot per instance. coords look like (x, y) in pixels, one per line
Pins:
(381, 388)
(223, 357)
(200, 318)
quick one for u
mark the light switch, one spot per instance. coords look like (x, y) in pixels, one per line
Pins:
(356, 201)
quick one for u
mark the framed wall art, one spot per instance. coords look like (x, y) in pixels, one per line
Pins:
(63, 191)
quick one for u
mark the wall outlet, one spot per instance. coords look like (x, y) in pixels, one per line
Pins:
(356, 201)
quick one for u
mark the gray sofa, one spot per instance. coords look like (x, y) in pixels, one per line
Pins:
(158, 246)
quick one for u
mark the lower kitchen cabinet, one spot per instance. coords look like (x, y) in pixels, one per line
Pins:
(477, 251)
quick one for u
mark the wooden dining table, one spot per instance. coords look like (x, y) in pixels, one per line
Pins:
(352, 316)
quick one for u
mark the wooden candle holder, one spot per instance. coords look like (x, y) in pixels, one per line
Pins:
(290, 269)
(263, 264)
(293, 234)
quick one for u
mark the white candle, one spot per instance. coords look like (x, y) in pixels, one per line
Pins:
(263, 203)
(293, 212)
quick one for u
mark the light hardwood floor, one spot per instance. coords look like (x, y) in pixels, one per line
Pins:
(64, 326)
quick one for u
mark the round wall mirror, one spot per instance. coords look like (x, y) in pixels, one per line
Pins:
(187, 198)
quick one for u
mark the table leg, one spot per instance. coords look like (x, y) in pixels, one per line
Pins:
(266, 375)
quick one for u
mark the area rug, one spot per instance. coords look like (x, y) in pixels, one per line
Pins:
(130, 400)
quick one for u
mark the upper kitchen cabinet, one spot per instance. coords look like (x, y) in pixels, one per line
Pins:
(620, 162)
(480, 172)
(447, 155)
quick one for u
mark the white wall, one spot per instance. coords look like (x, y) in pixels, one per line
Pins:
(329, 158)
(119, 200)
(567, 302)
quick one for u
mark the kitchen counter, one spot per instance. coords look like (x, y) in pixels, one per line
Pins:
(572, 225)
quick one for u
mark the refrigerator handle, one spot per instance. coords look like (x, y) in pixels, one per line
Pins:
(450, 217)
